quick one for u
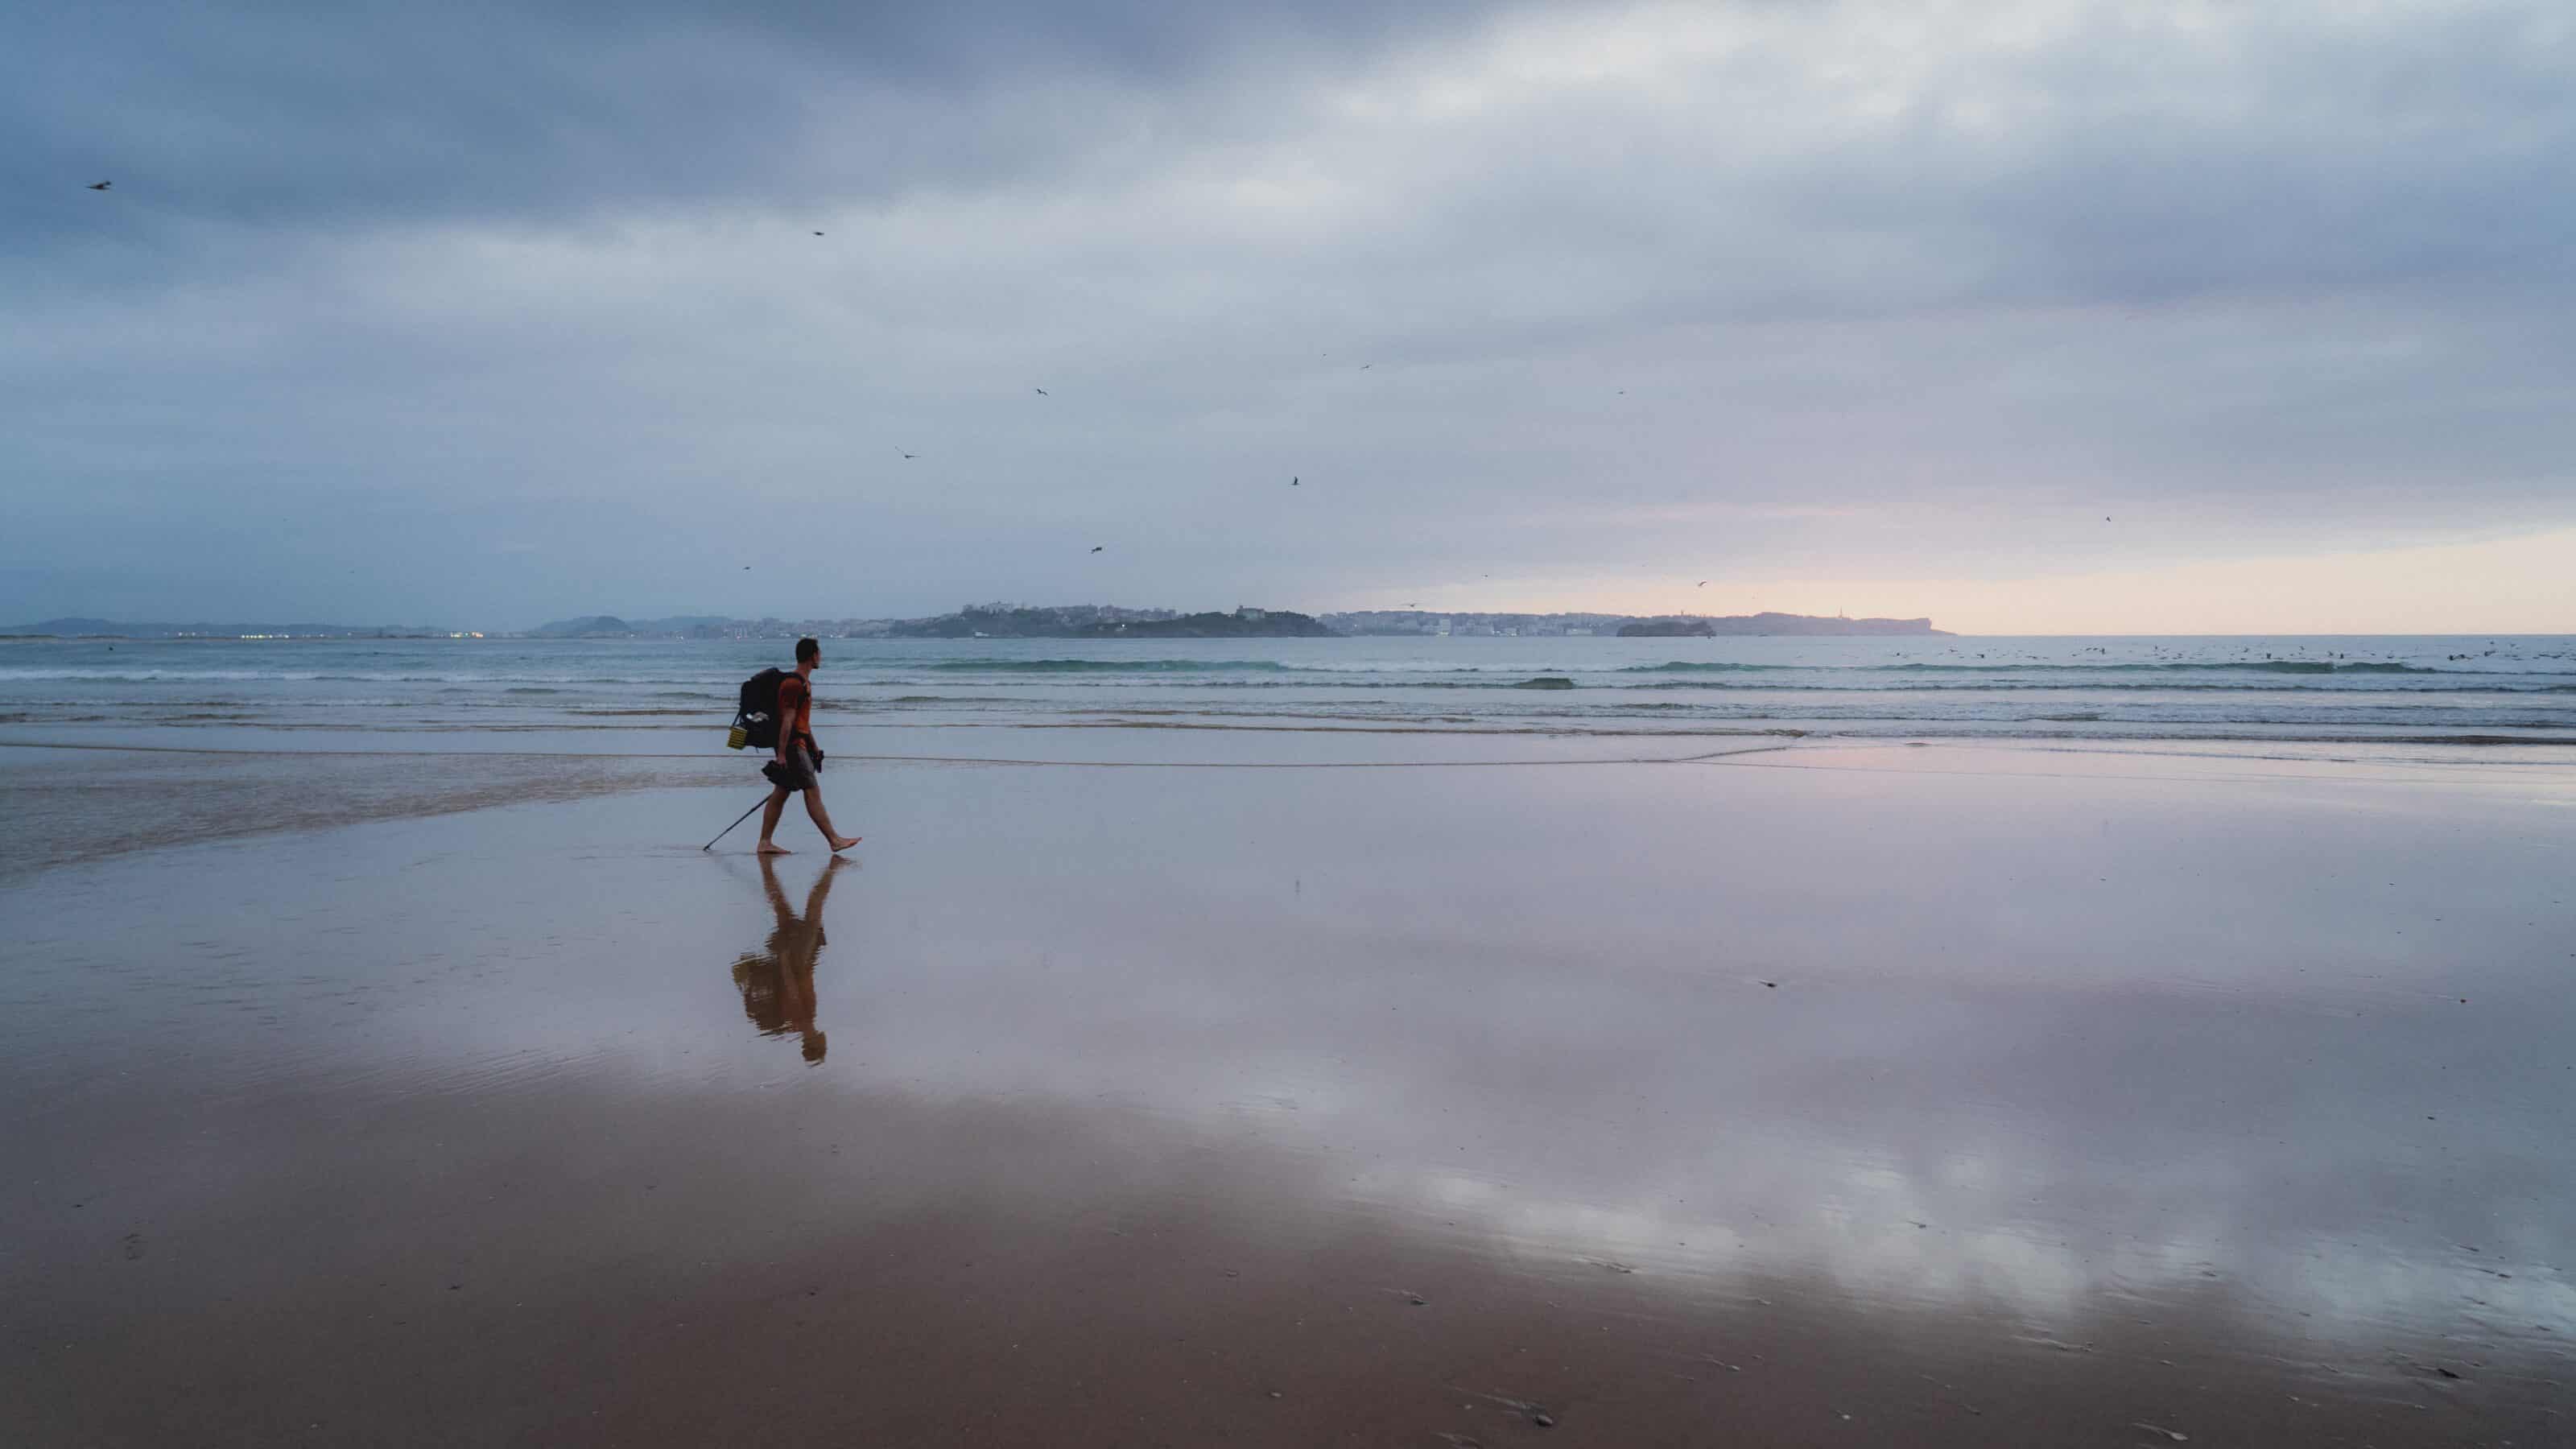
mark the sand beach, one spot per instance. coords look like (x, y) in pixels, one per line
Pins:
(1826, 1094)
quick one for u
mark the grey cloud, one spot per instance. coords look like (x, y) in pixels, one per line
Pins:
(2291, 278)
(310, 114)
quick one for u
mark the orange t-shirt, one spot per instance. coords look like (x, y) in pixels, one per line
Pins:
(795, 709)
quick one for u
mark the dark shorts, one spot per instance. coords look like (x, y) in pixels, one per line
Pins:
(796, 774)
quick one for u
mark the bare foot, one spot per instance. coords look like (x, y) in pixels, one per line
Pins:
(842, 842)
(766, 848)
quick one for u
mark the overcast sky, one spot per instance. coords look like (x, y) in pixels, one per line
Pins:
(2158, 317)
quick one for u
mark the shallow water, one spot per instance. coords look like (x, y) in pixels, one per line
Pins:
(670, 696)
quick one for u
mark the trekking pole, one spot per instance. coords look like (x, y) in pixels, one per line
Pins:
(737, 820)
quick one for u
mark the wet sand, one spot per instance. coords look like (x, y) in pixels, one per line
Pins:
(107, 791)
(1825, 1096)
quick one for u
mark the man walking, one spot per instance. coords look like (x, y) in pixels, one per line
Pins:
(795, 768)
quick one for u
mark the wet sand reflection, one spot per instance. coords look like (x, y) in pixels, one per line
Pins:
(2082, 1111)
(777, 981)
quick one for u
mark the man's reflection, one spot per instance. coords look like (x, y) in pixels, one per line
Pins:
(778, 984)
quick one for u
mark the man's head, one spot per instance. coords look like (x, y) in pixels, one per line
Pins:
(809, 653)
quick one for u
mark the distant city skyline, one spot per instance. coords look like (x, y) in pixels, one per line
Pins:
(2015, 313)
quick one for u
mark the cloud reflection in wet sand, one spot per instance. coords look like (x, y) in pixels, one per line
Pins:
(2000, 1137)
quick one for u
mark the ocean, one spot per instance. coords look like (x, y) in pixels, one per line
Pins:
(672, 698)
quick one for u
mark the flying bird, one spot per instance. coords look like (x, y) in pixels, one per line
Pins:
(1365, 366)
(1042, 392)
(908, 455)
(1097, 547)
(818, 233)
(1701, 584)
(100, 185)
(1292, 482)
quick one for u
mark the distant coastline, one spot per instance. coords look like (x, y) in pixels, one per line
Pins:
(1050, 621)
(997, 621)
(1688, 625)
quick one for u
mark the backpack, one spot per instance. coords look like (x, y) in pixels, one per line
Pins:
(755, 718)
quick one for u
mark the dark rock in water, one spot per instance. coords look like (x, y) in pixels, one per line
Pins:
(1546, 681)
(594, 626)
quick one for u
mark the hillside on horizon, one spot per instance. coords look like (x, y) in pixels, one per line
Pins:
(1064, 621)
(1011, 620)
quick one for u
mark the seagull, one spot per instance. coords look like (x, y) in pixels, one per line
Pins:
(908, 455)
(101, 185)
(1701, 584)
(1098, 547)
(1042, 392)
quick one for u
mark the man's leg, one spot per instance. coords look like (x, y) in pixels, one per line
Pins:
(769, 814)
(823, 820)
